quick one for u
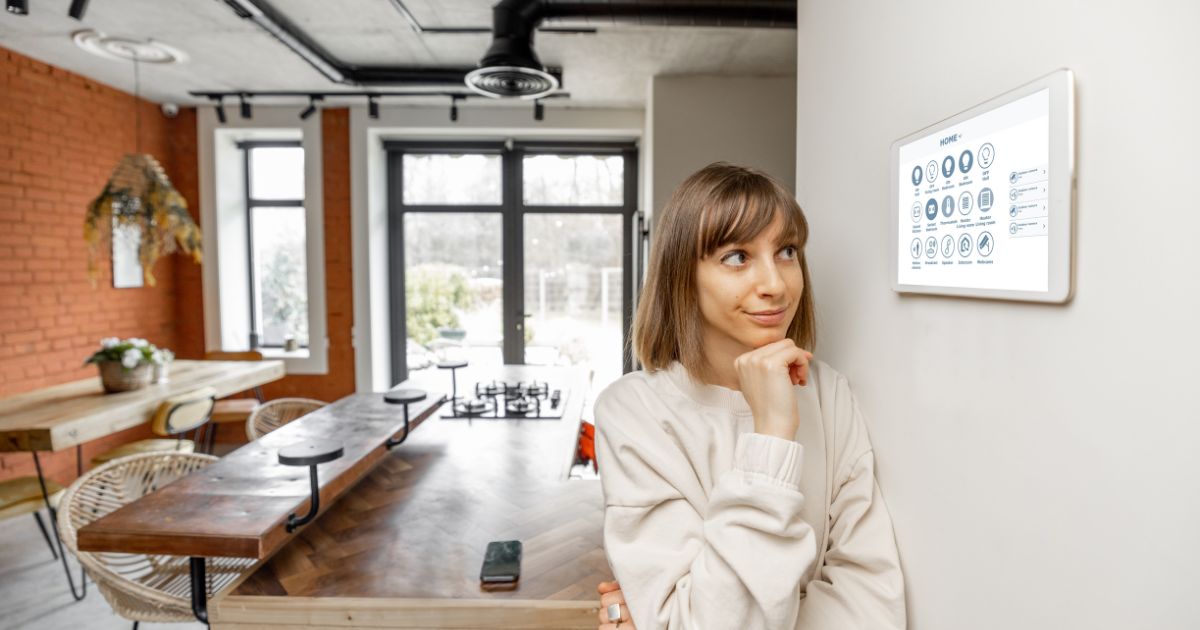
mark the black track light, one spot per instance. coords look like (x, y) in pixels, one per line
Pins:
(372, 107)
(220, 107)
(539, 111)
(245, 106)
(454, 108)
(312, 107)
(17, 7)
(77, 9)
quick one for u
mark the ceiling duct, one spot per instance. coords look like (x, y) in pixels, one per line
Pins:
(510, 68)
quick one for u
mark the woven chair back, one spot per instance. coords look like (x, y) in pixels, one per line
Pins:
(275, 413)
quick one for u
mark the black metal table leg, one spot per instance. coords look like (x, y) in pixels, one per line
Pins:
(199, 589)
(78, 596)
(404, 397)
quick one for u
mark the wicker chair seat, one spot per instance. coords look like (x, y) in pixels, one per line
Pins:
(140, 587)
(23, 495)
(232, 410)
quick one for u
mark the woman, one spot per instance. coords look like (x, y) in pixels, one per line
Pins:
(738, 476)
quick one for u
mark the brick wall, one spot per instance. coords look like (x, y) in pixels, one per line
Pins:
(60, 137)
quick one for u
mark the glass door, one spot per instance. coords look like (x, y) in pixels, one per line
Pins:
(511, 253)
(574, 270)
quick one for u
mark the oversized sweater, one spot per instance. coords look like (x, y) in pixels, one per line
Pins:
(711, 526)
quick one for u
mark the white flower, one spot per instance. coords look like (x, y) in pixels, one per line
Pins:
(131, 358)
(138, 342)
(157, 357)
(109, 342)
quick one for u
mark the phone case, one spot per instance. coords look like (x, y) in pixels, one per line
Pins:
(501, 561)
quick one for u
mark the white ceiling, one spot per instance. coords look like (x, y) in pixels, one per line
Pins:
(226, 53)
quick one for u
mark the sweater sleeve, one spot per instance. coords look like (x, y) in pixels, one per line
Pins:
(738, 565)
(860, 584)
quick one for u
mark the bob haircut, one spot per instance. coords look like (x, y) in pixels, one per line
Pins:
(718, 205)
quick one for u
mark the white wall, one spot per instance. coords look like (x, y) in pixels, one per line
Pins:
(1039, 461)
(692, 121)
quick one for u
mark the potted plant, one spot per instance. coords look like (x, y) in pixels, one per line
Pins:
(161, 359)
(124, 364)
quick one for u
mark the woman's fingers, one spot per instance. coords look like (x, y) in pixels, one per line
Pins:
(605, 587)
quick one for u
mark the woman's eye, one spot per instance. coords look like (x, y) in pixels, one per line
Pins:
(795, 250)
(730, 255)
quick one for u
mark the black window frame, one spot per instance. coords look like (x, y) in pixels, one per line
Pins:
(512, 209)
(251, 203)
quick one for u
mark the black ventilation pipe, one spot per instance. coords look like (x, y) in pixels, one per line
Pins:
(510, 68)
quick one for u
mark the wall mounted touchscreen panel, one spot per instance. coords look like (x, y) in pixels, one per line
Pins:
(973, 201)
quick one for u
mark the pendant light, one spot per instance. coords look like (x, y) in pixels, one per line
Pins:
(139, 195)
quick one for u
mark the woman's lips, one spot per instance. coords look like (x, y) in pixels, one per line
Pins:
(769, 320)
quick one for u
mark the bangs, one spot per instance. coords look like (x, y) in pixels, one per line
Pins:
(742, 208)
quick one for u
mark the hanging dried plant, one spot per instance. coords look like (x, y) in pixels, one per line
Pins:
(139, 194)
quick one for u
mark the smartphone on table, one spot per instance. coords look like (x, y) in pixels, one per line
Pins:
(501, 562)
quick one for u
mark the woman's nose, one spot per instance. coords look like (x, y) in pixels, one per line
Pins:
(770, 280)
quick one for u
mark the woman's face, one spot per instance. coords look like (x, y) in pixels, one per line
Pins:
(740, 280)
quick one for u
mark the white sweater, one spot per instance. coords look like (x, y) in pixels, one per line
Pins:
(710, 526)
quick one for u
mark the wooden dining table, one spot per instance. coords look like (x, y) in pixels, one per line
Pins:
(59, 417)
(68, 415)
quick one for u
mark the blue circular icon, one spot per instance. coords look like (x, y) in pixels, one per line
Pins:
(948, 166)
(931, 209)
(1012, 211)
(965, 244)
(917, 175)
(965, 161)
(915, 248)
(985, 200)
(986, 242)
(947, 206)
(930, 247)
(1012, 177)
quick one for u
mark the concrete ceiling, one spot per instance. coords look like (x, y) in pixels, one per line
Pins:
(607, 69)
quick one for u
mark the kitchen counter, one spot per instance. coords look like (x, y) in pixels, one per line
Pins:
(404, 546)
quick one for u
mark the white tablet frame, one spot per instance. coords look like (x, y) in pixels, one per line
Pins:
(1061, 198)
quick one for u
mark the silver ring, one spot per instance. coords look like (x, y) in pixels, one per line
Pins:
(614, 612)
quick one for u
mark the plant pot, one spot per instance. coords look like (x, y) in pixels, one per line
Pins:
(116, 378)
(162, 372)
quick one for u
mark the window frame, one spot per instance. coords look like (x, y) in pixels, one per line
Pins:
(512, 209)
(246, 146)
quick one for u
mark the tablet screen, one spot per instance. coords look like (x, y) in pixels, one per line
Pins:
(973, 201)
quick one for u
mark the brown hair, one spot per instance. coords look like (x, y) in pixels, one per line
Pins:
(720, 204)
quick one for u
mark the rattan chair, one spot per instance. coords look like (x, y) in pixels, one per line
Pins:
(275, 413)
(175, 417)
(139, 587)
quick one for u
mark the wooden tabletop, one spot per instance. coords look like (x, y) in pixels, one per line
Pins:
(62, 416)
(404, 547)
(238, 506)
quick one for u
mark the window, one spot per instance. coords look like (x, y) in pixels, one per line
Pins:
(512, 253)
(276, 237)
